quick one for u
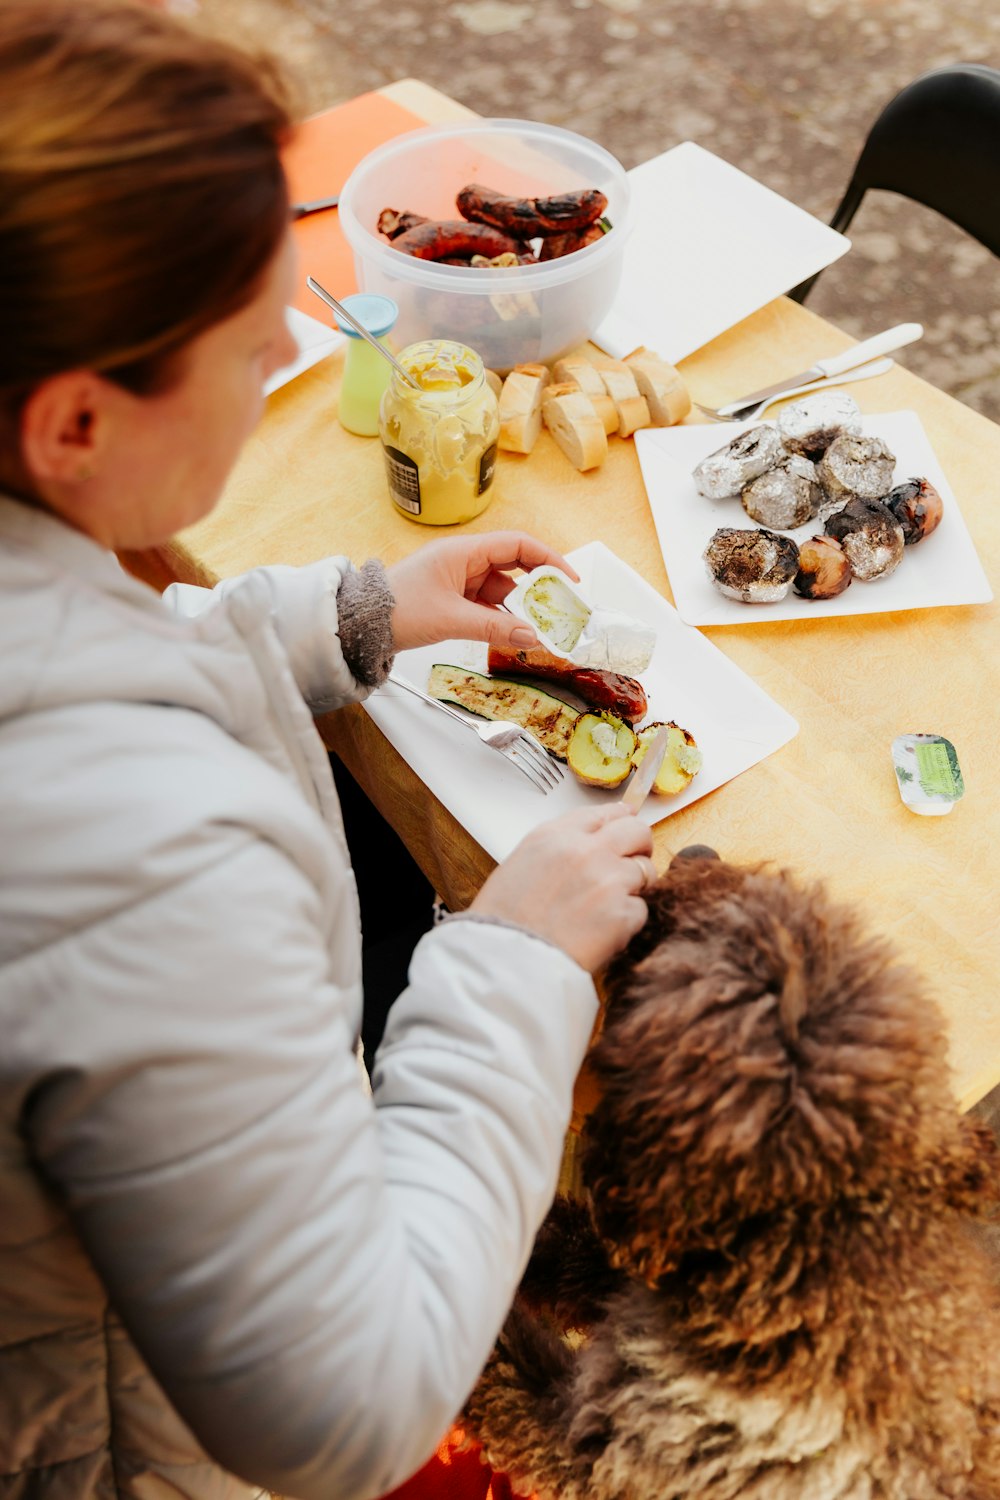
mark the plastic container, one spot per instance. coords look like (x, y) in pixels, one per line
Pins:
(366, 373)
(509, 316)
(440, 442)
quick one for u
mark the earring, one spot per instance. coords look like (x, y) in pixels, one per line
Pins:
(83, 473)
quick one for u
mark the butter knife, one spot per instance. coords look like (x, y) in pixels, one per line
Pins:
(641, 784)
(300, 210)
(859, 354)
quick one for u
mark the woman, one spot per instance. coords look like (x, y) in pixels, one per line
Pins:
(217, 1251)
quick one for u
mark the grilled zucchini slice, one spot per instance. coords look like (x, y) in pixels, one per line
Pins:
(549, 719)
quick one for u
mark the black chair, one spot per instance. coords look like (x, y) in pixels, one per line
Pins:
(937, 142)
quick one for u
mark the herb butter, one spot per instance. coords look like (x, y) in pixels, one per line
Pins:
(555, 611)
(586, 635)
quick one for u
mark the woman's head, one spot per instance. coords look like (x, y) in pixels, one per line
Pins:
(142, 198)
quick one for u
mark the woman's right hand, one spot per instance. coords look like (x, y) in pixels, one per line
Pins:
(578, 882)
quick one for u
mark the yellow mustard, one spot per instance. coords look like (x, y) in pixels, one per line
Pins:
(440, 441)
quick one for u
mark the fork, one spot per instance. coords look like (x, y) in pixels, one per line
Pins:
(514, 743)
(757, 408)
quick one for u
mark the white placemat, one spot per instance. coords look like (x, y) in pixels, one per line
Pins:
(942, 569)
(688, 680)
(709, 247)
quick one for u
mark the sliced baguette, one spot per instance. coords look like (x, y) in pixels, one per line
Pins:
(620, 384)
(599, 399)
(575, 426)
(665, 392)
(521, 410)
(578, 368)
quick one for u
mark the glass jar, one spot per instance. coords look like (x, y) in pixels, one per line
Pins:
(440, 440)
(366, 373)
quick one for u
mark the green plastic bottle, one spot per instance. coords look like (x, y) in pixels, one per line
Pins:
(366, 373)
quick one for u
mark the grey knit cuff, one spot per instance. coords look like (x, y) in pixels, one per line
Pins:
(364, 611)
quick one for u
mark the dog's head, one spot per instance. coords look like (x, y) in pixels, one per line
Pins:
(762, 1058)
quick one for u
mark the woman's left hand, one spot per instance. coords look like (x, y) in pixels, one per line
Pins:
(453, 589)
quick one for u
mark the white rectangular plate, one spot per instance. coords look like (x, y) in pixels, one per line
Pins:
(688, 680)
(315, 340)
(709, 246)
(942, 569)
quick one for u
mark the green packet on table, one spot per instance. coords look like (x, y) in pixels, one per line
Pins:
(927, 773)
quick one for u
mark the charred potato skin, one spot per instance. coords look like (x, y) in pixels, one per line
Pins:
(733, 558)
(871, 537)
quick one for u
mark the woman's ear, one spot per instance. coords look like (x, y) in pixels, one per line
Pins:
(63, 426)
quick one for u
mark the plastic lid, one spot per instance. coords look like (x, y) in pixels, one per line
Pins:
(377, 313)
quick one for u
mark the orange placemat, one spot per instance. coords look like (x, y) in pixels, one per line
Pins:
(318, 161)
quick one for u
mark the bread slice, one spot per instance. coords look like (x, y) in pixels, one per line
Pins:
(578, 368)
(564, 379)
(665, 392)
(620, 384)
(521, 409)
(576, 427)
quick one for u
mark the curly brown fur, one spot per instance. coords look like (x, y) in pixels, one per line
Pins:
(779, 1175)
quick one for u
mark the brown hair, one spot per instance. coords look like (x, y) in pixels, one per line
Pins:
(141, 189)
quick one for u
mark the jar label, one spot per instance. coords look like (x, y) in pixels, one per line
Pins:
(487, 464)
(404, 479)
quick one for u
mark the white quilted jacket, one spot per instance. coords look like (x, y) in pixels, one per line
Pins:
(212, 1242)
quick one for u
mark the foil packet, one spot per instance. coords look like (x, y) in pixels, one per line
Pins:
(927, 773)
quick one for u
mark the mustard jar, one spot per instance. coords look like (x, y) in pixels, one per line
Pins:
(366, 373)
(440, 438)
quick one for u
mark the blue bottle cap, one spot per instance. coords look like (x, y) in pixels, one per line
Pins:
(376, 312)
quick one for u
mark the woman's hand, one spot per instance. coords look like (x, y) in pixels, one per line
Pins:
(453, 589)
(577, 881)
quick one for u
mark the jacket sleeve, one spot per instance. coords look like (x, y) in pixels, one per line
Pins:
(303, 605)
(314, 1275)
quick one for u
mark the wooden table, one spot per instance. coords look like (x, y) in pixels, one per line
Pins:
(826, 804)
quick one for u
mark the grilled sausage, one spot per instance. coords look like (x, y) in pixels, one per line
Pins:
(527, 218)
(438, 239)
(610, 692)
(392, 222)
(558, 245)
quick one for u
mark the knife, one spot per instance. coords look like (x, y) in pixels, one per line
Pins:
(299, 210)
(641, 784)
(880, 343)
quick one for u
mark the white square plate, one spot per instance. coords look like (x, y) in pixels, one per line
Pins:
(315, 340)
(942, 569)
(688, 680)
(709, 246)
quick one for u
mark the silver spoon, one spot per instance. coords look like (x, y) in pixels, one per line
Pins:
(338, 307)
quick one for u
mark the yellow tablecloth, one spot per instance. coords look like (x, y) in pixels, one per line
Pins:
(826, 804)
